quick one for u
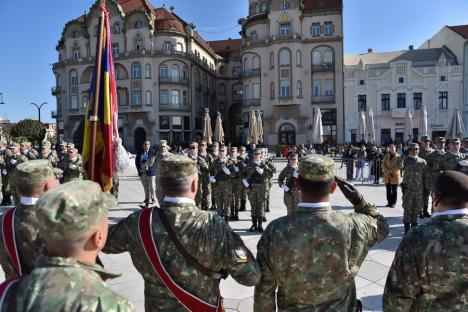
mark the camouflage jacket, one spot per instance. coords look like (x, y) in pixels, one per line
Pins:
(30, 246)
(286, 177)
(65, 284)
(424, 153)
(313, 256)
(202, 166)
(430, 268)
(209, 161)
(205, 236)
(450, 160)
(52, 158)
(14, 160)
(252, 175)
(32, 154)
(217, 170)
(71, 169)
(413, 170)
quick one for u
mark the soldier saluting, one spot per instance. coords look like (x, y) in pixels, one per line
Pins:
(287, 181)
(221, 172)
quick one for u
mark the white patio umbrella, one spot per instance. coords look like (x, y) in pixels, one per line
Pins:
(361, 127)
(370, 127)
(260, 128)
(219, 132)
(408, 134)
(456, 126)
(317, 127)
(252, 137)
(423, 121)
(207, 133)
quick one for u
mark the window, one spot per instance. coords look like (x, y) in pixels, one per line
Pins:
(221, 71)
(73, 77)
(147, 71)
(285, 57)
(177, 122)
(272, 90)
(285, 88)
(164, 97)
(74, 101)
(253, 36)
(317, 58)
(96, 30)
(84, 101)
(257, 9)
(315, 30)
(76, 54)
(136, 71)
(401, 79)
(136, 97)
(442, 78)
(362, 82)
(256, 91)
(401, 100)
(138, 24)
(148, 98)
(222, 89)
(115, 48)
(175, 97)
(328, 29)
(329, 88)
(362, 103)
(139, 45)
(256, 62)
(272, 60)
(299, 89)
(246, 92)
(264, 7)
(163, 71)
(298, 58)
(317, 84)
(284, 5)
(285, 29)
(164, 122)
(385, 100)
(237, 71)
(443, 100)
(175, 73)
(417, 100)
(167, 47)
(328, 57)
(75, 34)
(117, 28)
(184, 98)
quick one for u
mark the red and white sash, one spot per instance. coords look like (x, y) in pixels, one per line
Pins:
(189, 301)
(5, 286)
(9, 239)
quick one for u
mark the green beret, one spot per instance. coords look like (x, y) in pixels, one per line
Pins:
(455, 140)
(34, 171)
(317, 168)
(72, 209)
(177, 166)
(293, 156)
(413, 146)
(425, 138)
(439, 140)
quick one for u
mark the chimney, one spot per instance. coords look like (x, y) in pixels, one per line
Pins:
(369, 50)
(411, 47)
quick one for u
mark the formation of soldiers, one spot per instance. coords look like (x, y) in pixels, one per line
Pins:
(306, 261)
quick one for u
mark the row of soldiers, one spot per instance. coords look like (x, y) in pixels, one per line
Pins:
(306, 261)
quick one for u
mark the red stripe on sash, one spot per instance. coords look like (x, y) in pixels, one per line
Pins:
(191, 302)
(9, 239)
(4, 288)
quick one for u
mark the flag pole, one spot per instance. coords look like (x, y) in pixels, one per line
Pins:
(93, 119)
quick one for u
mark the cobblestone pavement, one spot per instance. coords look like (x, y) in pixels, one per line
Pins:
(369, 282)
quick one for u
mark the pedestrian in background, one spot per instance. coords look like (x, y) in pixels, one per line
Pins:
(391, 168)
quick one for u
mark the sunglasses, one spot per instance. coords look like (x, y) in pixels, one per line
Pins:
(192, 147)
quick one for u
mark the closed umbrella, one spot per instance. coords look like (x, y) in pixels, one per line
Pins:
(207, 133)
(361, 127)
(259, 128)
(456, 128)
(408, 134)
(370, 128)
(317, 127)
(219, 132)
(252, 137)
(423, 121)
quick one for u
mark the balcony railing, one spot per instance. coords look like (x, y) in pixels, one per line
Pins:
(323, 68)
(177, 107)
(56, 90)
(323, 99)
(251, 102)
(252, 73)
(174, 80)
(55, 114)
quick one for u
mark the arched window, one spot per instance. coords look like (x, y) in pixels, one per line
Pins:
(136, 71)
(96, 30)
(272, 90)
(285, 57)
(328, 57)
(184, 72)
(58, 81)
(84, 101)
(138, 24)
(117, 73)
(148, 98)
(257, 9)
(147, 71)
(246, 63)
(317, 58)
(117, 28)
(222, 89)
(285, 86)
(299, 89)
(163, 71)
(298, 58)
(221, 71)
(256, 62)
(264, 7)
(272, 59)
(175, 72)
(73, 77)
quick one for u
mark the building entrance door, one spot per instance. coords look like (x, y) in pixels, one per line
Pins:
(287, 134)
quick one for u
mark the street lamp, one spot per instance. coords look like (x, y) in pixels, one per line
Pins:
(39, 108)
(1, 99)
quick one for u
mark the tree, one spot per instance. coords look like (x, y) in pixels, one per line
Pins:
(32, 130)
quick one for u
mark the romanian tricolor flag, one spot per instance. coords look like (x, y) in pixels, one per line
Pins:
(106, 113)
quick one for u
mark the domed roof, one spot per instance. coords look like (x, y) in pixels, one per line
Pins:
(165, 20)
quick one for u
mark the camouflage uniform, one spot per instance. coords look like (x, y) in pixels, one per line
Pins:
(214, 155)
(204, 235)
(205, 181)
(434, 165)
(450, 160)
(237, 186)
(269, 163)
(11, 161)
(332, 246)
(244, 162)
(115, 185)
(221, 171)
(424, 154)
(287, 181)
(203, 169)
(72, 168)
(28, 151)
(157, 162)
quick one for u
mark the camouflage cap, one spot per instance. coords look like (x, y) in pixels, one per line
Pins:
(425, 138)
(46, 144)
(24, 144)
(257, 151)
(293, 156)
(193, 144)
(70, 145)
(162, 143)
(3, 142)
(455, 140)
(317, 168)
(413, 146)
(33, 171)
(13, 145)
(203, 143)
(465, 140)
(439, 140)
(72, 209)
(233, 149)
(63, 143)
(223, 148)
(242, 148)
(177, 166)
(215, 144)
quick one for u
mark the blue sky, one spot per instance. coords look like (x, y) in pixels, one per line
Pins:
(30, 31)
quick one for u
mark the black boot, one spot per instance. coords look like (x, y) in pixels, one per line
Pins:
(407, 227)
(414, 224)
(264, 219)
(242, 207)
(421, 215)
(231, 217)
(226, 218)
(267, 209)
(260, 227)
(254, 225)
(426, 213)
(236, 216)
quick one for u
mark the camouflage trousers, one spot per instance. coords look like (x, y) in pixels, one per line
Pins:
(257, 197)
(159, 192)
(412, 205)
(115, 186)
(291, 200)
(223, 197)
(268, 189)
(205, 192)
(244, 192)
(198, 196)
(237, 187)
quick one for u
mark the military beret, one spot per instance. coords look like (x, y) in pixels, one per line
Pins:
(162, 143)
(293, 156)
(317, 168)
(33, 171)
(14, 145)
(439, 140)
(452, 184)
(177, 166)
(215, 144)
(193, 144)
(455, 140)
(425, 138)
(71, 209)
(413, 146)
(257, 151)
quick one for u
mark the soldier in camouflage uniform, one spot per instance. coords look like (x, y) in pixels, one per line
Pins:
(3, 155)
(256, 176)
(453, 156)
(464, 148)
(214, 154)
(220, 176)
(237, 186)
(205, 236)
(62, 153)
(312, 256)
(13, 159)
(434, 163)
(424, 153)
(28, 151)
(269, 162)
(72, 220)
(205, 177)
(72, 166)
(203, 169)
(156, 161)
(430, 268)
(244, 158)
(48, 154)
(32, 179)
(412, 186)
(287, 181)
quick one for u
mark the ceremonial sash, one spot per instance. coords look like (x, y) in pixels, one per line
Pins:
(189, 301)
(9, 239)
(5, 286)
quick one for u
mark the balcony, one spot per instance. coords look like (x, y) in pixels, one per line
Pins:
(175, 107)
(174, 80)
(252, 73)
(251, 102)
(399, 113)
(323, 99)
(56, 90)
(327, 68)
(56, 114)
(134, 108)
(77, 112)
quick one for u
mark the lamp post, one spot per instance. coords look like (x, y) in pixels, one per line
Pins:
(1, 99)
(39, 108)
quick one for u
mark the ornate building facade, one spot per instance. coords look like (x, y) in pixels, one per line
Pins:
(289, 59)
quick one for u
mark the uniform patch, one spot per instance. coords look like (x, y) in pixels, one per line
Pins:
(240, 254)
